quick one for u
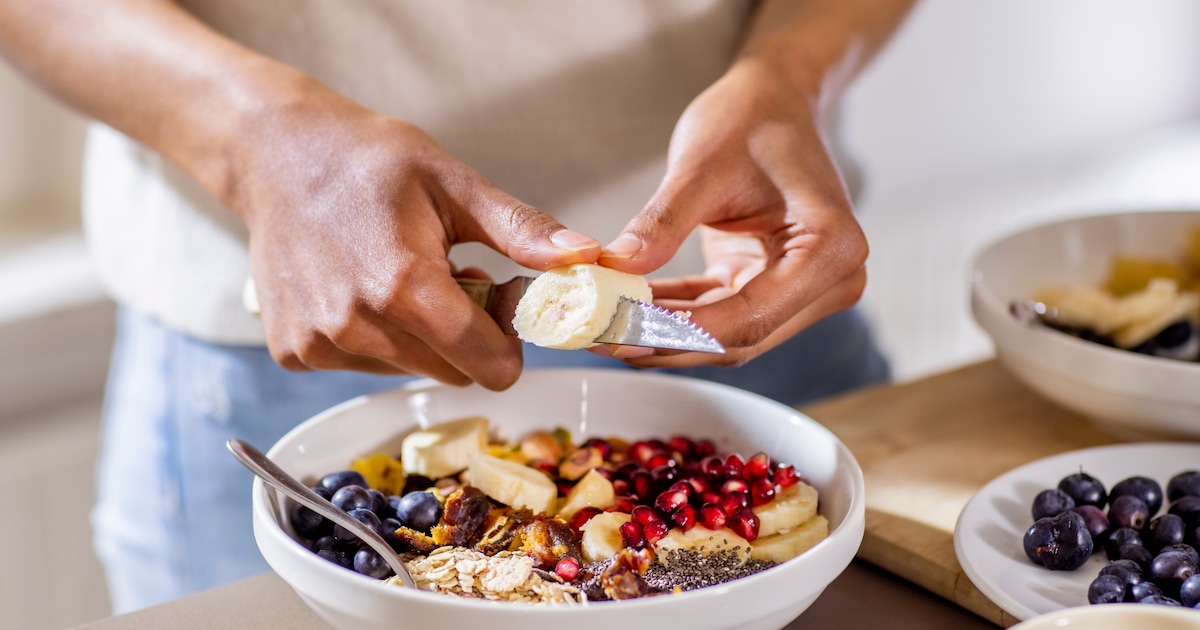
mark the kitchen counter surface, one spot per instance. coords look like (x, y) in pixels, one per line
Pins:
(925, 448)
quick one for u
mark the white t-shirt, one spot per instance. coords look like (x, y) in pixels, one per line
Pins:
(567, 105)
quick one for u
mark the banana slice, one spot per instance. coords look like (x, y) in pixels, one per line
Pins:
(568, 307)
(791, 507)
(704, 540)
(786, 545)
(602, 536)
(444, 449)
(593, 490)
(515, 485)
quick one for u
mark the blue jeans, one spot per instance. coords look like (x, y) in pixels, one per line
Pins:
(173, 506)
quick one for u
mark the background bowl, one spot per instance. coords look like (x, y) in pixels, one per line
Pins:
(628, 404)
(1134, 395)
(1115, 617)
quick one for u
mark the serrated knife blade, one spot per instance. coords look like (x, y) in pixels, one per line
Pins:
(634, 324)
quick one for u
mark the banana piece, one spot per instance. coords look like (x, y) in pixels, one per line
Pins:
(704, 540)
(592, 490)
(444, 449)
(513, 484)
(602, 536)
(569, 307)
(791, 507)
(786, 545)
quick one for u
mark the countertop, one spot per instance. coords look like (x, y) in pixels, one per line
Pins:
(925, 448)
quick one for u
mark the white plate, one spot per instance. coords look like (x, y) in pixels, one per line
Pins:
(987, 538)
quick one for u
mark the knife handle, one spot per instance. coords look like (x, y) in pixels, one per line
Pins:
(499, 300)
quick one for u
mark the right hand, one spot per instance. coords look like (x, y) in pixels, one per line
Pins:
(351, 217)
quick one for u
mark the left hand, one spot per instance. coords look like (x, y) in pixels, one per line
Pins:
(748, 164)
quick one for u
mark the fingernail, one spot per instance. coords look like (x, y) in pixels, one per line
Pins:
(625, 246)
(631, 352)
(573, 241)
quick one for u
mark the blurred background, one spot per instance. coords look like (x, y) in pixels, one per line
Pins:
(980, 118)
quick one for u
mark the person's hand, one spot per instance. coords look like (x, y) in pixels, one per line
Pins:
(351, 218)
(749, 165)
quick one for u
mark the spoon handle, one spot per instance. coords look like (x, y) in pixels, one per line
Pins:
(266, 470)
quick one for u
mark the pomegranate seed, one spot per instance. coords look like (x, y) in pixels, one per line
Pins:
(698, 485)
(620, 486)
(641, 452)
(633, 536)
(640, 482)
(669, 501)
(735, 501)
(734, 465)
(762, 492)
(582, 516)
(684, 517)
(623, 504)
(757, 467)
(711, 497)
(627, 468)
(744, 523)
(601, 445)
(682, 486)
(564, 486)
(682, 445)
(664, 475)
(713, 467)
(644, 514)
(712, 516)
(655, 530)
(704, 448)
(544, 465)
(660, 459)
(786, 476)
(567, 569)
(735, 485)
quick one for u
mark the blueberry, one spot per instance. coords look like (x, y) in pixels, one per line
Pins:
(337, 480)
(1051, 503)
(1138, 554)
(308, 524)
(1183, 484)
(1189, 591)
(1165, 530)
(1096, 521)
(1144, 488)
(1118, 538)
(1187, 507)
(364, 516)
(1170, 569)
(338, 557)
(352, 498)
(419, 510)
(1060, 543)
(1142, 590)
(1084, 489)
(1106, 589)
(371, 564)
(1128, 511)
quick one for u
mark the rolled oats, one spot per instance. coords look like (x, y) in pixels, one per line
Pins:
(469, 573)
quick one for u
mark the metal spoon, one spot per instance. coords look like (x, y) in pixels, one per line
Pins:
(1033, 312)
(266, 470)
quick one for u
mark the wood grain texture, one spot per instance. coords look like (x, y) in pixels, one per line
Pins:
(927, 446)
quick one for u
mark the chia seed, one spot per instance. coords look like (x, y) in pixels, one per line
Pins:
(689, 569)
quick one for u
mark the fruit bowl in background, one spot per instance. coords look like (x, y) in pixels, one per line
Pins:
(1115, 617)
(601, 403)
(1133, 395)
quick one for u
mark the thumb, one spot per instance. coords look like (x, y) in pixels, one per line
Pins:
(652, 237)
(525, 234)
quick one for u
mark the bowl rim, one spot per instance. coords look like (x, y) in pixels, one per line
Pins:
(1133, 610)
(997, 311)
(848, 533)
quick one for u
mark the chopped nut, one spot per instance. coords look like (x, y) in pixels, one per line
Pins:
(579, 462)
(541, 445)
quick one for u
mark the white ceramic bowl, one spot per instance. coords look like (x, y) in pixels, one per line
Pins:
(1134, 395)
(1115, 617)
(588, 402)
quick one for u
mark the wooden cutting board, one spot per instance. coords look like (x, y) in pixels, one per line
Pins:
(927, 446)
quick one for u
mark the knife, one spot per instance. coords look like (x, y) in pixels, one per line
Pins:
(635, 323)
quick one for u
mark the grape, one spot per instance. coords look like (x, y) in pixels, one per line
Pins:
(1183, 484)
(1169, 569)
(1138, 554)
(1060, 543)
(1142, 590)
(352, 498)
(1051, 503)
(1187, 507)
(1143, 488)
(307, 523)
(1163, 531)
(1189, 591)
(1106, 589)
(1128, 511)
(1118, 538)
(337, 480)
(1096, 521)
(1127, 571)
(364, 516)
(371, 564)
(419, 510)
(1187, 549)
(1084, 489)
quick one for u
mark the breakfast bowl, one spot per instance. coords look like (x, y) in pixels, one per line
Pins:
(1132, 395)
(632, 405)
(1115, 617)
